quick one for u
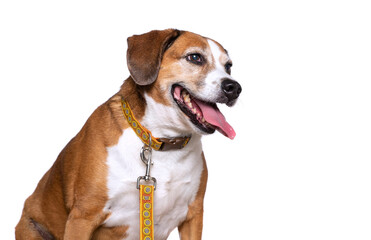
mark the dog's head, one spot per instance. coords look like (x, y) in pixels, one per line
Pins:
(187, 72)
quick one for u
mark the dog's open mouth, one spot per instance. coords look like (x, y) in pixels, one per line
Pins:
(206, 116)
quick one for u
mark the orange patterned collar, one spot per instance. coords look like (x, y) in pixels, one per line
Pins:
(159, 144)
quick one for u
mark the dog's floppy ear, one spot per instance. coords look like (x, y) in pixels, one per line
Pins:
(145, 52)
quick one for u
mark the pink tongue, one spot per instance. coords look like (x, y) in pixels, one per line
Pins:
(213, 116)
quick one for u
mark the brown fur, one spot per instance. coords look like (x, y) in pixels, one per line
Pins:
(145, 53)
(175, 67)
(69, 200)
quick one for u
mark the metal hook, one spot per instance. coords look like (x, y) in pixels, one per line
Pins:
(146, 156)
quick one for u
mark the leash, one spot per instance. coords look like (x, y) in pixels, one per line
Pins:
(146, 194)
(146, 212)
(146, 190)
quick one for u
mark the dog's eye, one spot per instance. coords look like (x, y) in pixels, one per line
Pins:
(228, 67)
(195, 58)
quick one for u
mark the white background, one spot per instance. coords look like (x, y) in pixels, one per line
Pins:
(300, 166)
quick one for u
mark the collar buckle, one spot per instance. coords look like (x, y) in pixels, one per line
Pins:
(174, 143)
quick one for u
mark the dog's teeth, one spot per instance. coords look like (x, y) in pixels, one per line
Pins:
(189, 104)
(186, 98)
(203, 120)
(194, 110)
(199, 115)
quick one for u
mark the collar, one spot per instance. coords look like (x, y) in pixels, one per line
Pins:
(159, 144)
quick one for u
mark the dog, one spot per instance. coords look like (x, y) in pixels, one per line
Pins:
(166, 104)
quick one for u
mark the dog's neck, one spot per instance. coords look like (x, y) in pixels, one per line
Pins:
(161, 120)
(133, 94)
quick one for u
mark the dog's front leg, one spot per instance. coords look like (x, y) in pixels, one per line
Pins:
(80, 226)
(191, 228)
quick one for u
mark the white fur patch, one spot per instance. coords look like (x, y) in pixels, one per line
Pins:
(177, 172)
(214, 78)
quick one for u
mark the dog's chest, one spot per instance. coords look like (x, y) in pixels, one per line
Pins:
(178, 175)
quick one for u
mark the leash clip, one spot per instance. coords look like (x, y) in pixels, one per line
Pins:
(146, 156)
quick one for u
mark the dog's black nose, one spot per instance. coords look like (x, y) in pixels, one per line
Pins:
(231, 88)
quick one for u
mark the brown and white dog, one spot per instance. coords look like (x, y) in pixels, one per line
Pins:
(177, 77)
